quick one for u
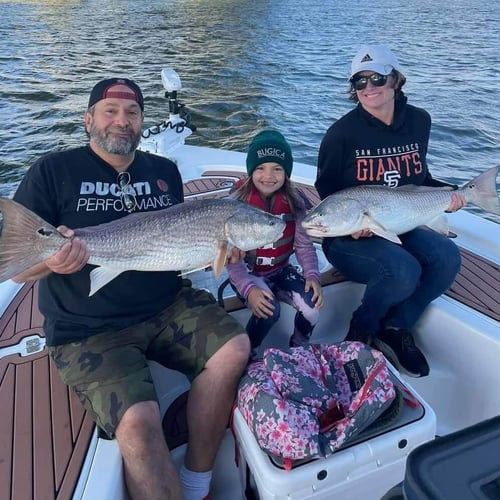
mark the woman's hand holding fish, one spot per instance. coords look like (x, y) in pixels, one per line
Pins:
(457, 202)
(71, 257)
(364, 233)
(317, 297)
(260, 302)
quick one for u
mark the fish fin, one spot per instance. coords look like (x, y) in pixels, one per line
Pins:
(220, 258)
(482, 191)
(101, 276)
(189, 271)
(440, 225)
(23, 231)
(376, 228)
(217, 264)
(388, 235)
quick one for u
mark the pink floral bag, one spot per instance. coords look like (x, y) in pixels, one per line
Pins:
(306, 402)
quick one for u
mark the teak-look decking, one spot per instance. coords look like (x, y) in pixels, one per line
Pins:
(44, 432)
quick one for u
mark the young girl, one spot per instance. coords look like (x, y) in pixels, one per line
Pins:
(272, 278)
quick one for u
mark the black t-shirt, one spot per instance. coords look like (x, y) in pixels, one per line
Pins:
(77, 189)
(360, 149)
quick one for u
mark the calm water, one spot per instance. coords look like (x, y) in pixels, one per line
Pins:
(247, 64)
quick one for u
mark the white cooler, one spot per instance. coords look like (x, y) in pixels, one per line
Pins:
(363, 471)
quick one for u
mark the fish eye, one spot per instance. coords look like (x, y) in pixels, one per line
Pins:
(42, 231)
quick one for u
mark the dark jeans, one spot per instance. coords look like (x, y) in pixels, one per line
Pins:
(401, 280)
(287, 286)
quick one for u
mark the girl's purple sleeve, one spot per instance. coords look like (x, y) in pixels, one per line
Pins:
(240, 278)
(306, 253)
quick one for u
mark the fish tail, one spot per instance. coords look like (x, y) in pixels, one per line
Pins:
(482, 191)
(23, 239)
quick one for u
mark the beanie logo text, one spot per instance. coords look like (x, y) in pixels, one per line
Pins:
(278, 153)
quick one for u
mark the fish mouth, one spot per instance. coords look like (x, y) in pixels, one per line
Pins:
(314, 229)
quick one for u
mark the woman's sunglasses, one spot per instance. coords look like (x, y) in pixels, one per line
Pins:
(359, 82)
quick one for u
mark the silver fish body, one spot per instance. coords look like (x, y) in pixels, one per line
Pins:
(389, 212)
(185, 237)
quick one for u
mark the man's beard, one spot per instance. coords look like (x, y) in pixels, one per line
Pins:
(113, 144)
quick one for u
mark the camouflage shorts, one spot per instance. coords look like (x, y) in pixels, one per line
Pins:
(109, 372)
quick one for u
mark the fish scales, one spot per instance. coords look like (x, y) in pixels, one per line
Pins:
(388, 212)
(403, 209)
(177, 240)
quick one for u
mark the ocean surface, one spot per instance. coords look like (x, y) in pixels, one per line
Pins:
(245, 65)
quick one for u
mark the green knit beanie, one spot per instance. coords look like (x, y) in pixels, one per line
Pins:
(269, 146)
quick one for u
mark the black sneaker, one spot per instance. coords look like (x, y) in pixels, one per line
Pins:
(297, 340)
(357, 334)
(399, 348)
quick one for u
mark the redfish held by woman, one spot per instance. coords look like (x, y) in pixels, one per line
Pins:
(185, 237)
(388, 212)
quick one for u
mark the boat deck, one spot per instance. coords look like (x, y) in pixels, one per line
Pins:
(44, 432)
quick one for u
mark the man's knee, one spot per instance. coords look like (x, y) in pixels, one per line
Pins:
(141, 421)
(238, 348)
(232, 356)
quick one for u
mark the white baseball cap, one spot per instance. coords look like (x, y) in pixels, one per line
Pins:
(376, 58)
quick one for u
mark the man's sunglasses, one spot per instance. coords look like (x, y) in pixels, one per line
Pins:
(126, 191)
(359, 82)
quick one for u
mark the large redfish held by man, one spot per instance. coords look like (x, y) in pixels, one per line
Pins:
(388, 212)
(185, 237)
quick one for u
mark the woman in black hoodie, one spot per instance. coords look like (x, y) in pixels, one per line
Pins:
(384, 141)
